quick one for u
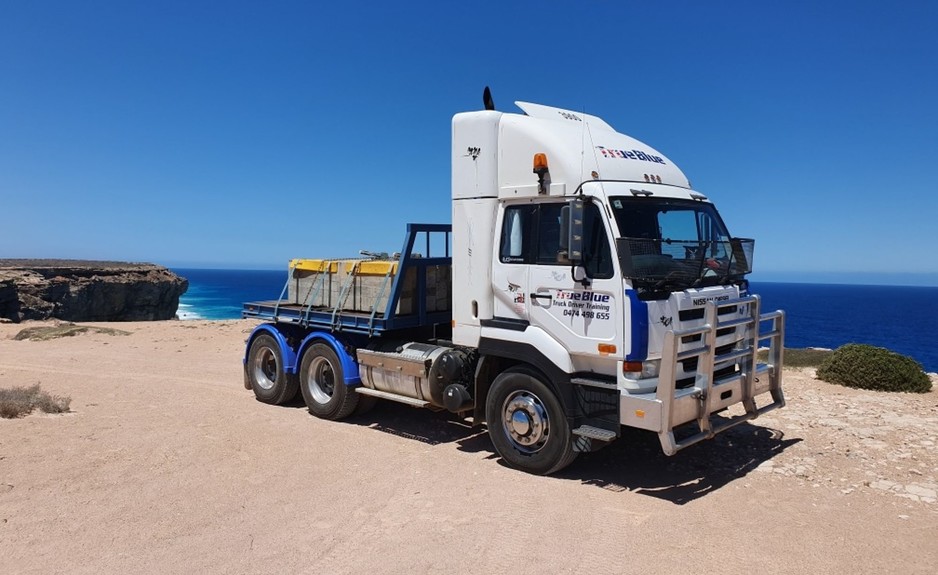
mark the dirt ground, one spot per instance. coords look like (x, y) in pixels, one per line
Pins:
(168, 465)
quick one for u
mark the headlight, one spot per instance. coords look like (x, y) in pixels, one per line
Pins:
(641, 369)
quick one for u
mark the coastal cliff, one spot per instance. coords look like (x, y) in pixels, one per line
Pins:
(78, 290)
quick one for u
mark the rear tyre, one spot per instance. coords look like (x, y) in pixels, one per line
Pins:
(527, 424)
(323, 384)
(265, 373)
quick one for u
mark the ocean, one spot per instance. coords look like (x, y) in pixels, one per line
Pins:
(899, 318)
(219, 294)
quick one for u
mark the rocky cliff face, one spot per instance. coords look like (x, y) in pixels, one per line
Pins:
(76, 290)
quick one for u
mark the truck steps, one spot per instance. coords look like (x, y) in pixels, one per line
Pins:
(392, 397)
(594, 433)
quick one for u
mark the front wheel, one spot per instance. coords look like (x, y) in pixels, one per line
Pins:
(323, 384)
(265, 372)
(527, 424)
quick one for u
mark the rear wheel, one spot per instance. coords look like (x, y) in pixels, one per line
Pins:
(265, 372)
(323, 384)
(527, 424)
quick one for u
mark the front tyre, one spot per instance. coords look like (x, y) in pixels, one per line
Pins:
(527, 424)
(265, 372)
(323, 384)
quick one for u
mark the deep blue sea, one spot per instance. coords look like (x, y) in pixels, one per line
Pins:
(218, 294)
(903, 319)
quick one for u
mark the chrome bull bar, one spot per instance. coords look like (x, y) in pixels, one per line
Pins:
(668, 408)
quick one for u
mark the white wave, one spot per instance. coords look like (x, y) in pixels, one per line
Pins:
(187, 311)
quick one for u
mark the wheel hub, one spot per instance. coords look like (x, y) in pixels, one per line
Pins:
(525, 421)
(521, 423)
(321, 381)
(265, 369)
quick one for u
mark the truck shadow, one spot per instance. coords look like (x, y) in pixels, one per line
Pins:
(425, 426)
(634, 463)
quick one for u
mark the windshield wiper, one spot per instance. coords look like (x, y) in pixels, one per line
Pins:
(671, 284)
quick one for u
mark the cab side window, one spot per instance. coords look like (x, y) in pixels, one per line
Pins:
(518, 235)
(548, 235)
(531, 235)
(596, 252)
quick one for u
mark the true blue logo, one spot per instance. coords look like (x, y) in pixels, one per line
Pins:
(630, 155)
(583, 296)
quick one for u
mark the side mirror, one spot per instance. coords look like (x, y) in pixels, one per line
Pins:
(571, 230)
(565, 227)
(741, 261)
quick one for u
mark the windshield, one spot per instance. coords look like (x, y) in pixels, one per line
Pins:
(677, 244)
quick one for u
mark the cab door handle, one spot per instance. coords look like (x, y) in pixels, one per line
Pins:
(541, 296)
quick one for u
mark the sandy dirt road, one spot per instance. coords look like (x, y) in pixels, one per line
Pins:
(168, 465)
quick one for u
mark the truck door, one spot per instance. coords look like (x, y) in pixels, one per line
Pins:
(510, 270)
(586, 320)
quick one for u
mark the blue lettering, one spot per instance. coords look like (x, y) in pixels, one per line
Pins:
(630, 155)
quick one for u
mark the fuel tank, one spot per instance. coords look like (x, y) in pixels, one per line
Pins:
(416, 370)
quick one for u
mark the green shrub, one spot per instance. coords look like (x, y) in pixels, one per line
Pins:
(867, 367)
(800, 356)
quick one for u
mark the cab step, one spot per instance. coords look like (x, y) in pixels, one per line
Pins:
(595, 433)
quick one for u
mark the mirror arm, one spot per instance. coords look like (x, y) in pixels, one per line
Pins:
(585, 281)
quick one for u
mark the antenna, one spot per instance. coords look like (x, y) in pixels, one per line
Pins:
(588, 132)
(583, 146)
(487, 100)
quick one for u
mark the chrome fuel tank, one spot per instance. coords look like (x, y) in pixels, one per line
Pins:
(416, 370)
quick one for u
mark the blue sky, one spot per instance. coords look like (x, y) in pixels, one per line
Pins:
(242, 134)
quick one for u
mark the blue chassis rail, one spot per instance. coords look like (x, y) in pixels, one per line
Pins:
(330, 319)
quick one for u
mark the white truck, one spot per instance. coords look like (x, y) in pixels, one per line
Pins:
(583, 286)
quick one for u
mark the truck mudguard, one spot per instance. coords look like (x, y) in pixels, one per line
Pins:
(349, 365)
(289, 356)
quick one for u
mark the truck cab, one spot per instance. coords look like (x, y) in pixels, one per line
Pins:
(586, 253)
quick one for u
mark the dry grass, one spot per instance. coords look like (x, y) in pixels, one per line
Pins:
(21, 401)
(43, 333)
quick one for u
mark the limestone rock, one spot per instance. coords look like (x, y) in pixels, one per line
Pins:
(78, 290)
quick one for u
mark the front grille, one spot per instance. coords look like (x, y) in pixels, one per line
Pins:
(686, 382)
(690, 364)
(691, 314)
(728, 370)
(698, 337)
(698, 313)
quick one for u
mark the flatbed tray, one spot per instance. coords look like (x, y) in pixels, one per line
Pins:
(374, 322)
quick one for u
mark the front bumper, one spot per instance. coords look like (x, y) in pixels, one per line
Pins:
(668, 408)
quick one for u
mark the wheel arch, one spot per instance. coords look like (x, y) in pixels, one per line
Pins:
(349, 365)
(286, 350)
(500, 356)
